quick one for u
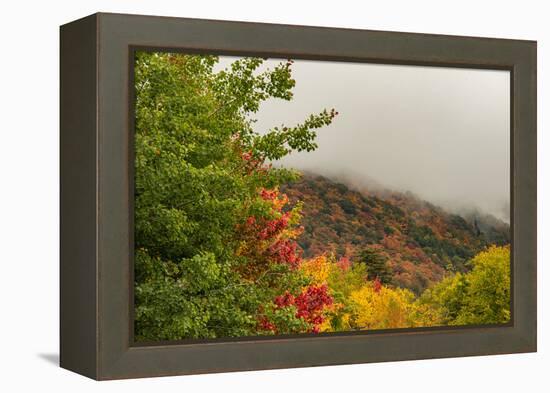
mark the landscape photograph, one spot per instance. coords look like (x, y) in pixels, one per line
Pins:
(285, 196)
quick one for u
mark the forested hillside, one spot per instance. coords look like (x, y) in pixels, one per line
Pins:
(412, 242)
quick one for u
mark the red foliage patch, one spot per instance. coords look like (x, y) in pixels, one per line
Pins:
(377, 285)
(344, 263)
(285, 251)
(309, 304)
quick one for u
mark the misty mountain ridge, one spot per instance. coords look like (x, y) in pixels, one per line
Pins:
(359, 181)
(419, 241)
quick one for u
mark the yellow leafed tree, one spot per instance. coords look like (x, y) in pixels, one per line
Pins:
(379, 307)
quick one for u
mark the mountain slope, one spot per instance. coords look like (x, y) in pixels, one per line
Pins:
(418, 241)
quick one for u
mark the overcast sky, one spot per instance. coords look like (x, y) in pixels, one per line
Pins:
(441, 133)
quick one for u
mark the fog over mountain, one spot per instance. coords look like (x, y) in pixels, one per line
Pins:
(441, 133)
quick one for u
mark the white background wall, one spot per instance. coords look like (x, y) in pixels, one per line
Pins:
(29, 194)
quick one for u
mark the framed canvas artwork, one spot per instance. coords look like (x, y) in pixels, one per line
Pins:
(240, 196)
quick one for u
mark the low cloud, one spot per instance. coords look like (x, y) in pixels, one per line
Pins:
(440, 133)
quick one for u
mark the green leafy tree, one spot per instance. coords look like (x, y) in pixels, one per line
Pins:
(376, 265)
(201, 180)
(481, 296)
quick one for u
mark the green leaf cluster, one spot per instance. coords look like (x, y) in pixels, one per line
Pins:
(199, 167)
(479, 297)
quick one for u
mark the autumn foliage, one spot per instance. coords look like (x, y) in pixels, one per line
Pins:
(403, 240)
(480, 296)
(229, 245)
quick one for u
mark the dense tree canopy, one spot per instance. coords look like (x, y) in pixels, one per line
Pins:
(479, 297)
(213, 244)
(216, 251)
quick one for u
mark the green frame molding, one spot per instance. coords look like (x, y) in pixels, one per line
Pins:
(96, 143)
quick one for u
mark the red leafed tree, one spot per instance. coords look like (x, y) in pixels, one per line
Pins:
(269, 238)
(309, 305)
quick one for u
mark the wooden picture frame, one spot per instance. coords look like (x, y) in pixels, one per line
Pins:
(97, 188)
